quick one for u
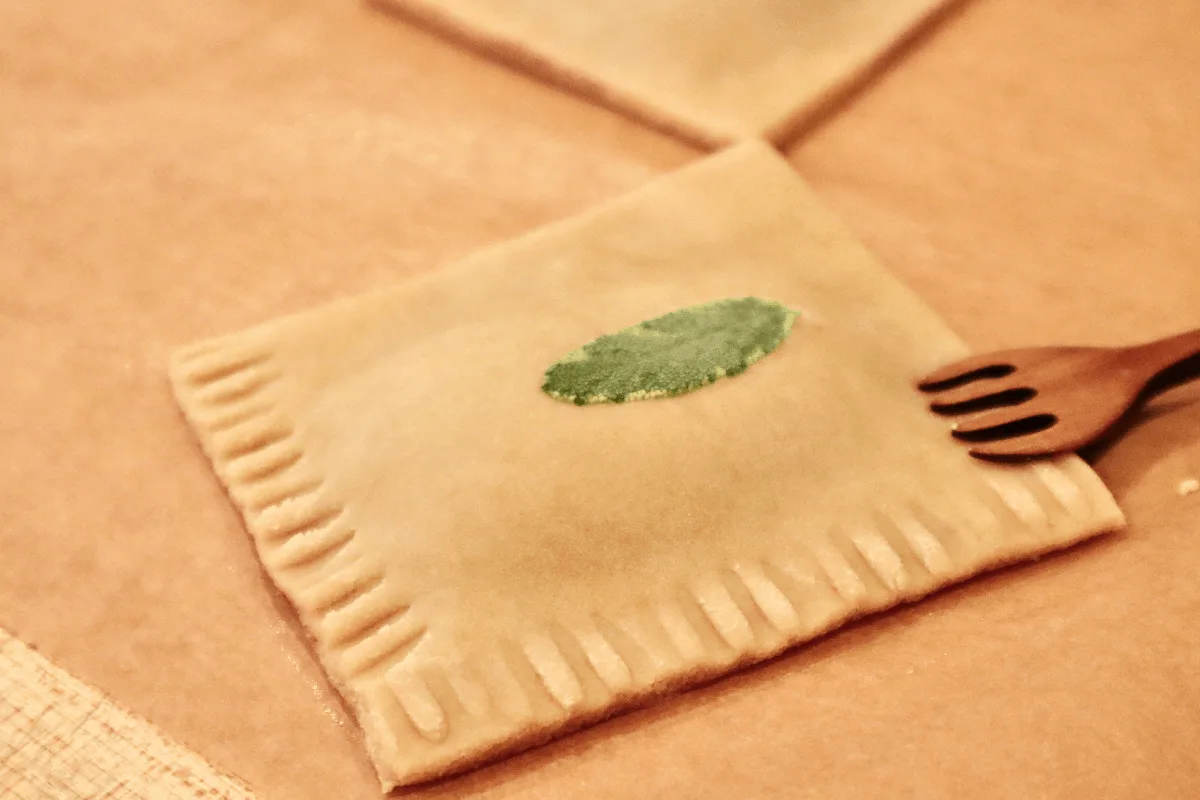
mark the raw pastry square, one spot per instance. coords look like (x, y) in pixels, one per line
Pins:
(483, 567)
(710, 70)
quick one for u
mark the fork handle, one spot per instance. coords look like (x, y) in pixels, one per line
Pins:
(1170, 362)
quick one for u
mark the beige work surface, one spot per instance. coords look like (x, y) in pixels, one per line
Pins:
(169, 172)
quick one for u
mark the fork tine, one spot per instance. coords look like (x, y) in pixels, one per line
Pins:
(1038, 443)
(987, 365)
(981, 425)
(992, 391)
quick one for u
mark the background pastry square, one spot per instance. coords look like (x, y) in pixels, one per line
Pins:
(712, 71)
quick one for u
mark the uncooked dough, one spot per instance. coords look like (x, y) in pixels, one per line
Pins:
(482, 567)
(712, 71)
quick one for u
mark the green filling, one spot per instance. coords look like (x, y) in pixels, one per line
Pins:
(671, 355)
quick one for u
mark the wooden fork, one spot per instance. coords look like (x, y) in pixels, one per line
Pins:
(1037, 401)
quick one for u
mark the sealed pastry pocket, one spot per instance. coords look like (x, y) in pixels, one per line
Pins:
(617, 456)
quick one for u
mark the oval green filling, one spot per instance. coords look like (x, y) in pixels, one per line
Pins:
(671, 355)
